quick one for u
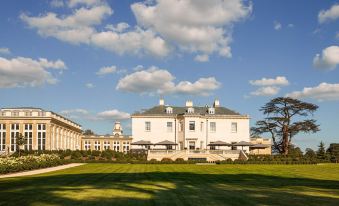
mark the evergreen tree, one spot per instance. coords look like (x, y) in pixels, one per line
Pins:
(321, 153)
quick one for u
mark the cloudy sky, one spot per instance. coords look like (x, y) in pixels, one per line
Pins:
(98, 61)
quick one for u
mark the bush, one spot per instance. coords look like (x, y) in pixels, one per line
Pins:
(166, 160)
(17, 164)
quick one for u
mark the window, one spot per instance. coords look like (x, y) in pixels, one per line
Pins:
(169, 126)
(116, 146)
(125, 146)
(28, 114)
(41, 136)
(148, 126)
(213, 127)
(201, 126)
(191, 145)
(233, 147)
(234, 127)
(169, 110)
(2, 137)
(42, 114)
(169, 147)
(28, 133)
(3, 114)
(190, 110)
(211, 111)
(192, 125)
(97, 145)
(106, 145)
(14, 133)
(87, 145)
(15, 114)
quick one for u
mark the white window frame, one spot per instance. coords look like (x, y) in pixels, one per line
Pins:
(189, 126)
(28, 133)
(169, 126)
(234, 129)
(116, 146)
(13, 133)
(213, 126)
(211, 110)
(169, 110)
(87, 145)
(106, 145)
(148, 126)
(41, 136)
(2, 137)
(97, 145)
(190, 110)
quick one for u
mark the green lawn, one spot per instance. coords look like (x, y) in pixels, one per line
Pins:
(127, 184)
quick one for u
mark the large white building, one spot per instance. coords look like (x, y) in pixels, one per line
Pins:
(190, 127)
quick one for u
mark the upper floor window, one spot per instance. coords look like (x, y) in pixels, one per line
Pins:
(190, 110)
(97, 145)
(169, 110)
(42, 114)
(148, 126)
(213, 127)
(3, 114)
(211, 110)
(28, 114)
(169, 126)
(192, 125)
(15, 114)
(234, 127)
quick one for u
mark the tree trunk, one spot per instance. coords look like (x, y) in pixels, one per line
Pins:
(285, 140)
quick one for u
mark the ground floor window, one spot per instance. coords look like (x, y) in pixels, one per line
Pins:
(41, 128)
(191, 145)
(106, 145)
(97, 145)
(2, 137)
(116, 146)
(169, 147)
(28, 133)
(87, 145)
(14, 133)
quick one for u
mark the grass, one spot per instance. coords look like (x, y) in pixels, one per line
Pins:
(127, 184)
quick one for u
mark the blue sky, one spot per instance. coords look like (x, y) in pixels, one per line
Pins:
(99, 61)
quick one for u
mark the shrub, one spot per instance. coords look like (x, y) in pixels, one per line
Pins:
(166, 160)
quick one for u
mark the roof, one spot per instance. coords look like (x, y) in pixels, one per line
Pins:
(142, 142)
(165, 142)
(219, 143)
(161, 110)
(243, 143)
(260, 146)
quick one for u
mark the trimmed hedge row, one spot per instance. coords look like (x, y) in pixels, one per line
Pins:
(17, 164)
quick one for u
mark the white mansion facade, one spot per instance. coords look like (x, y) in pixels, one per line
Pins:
(189, 127)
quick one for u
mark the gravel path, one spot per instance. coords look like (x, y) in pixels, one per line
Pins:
(40, 171)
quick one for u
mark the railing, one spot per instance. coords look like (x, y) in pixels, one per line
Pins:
(221, 152)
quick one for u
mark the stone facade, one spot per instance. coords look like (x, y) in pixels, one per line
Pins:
(44, 130)
(117, 141)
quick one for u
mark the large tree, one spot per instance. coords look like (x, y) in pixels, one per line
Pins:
(284, 119)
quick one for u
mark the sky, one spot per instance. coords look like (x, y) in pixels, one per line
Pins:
(97, 61)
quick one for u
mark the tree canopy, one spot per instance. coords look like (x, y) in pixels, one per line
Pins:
(284, 120)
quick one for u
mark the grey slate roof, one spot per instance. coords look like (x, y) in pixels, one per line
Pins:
(161, 110)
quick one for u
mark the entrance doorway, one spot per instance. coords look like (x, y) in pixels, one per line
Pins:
(191, 145)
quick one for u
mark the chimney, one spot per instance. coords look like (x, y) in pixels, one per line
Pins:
(161, 102)
(189, 103)
(216, 103)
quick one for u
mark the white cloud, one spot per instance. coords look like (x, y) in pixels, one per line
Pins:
(137, 41)
(113, 114)
(90, 85)
(278, 81)
(266, 91)
(89, 3)
(329, 58)
(290, 25)
(4, 50)
(329, 15)
(160, 81)
(120, 27)
(202, 58)
(23, 72)
(75, 29)
(57, 3)
(105, 115)
(195, 26)
(106, 70)
(322, 92)
(277, 25)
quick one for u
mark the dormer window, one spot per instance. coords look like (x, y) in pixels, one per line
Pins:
(211, 110)
(190, 110)
(169, 110)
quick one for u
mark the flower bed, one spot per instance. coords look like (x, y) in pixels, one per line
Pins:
(17, 164)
